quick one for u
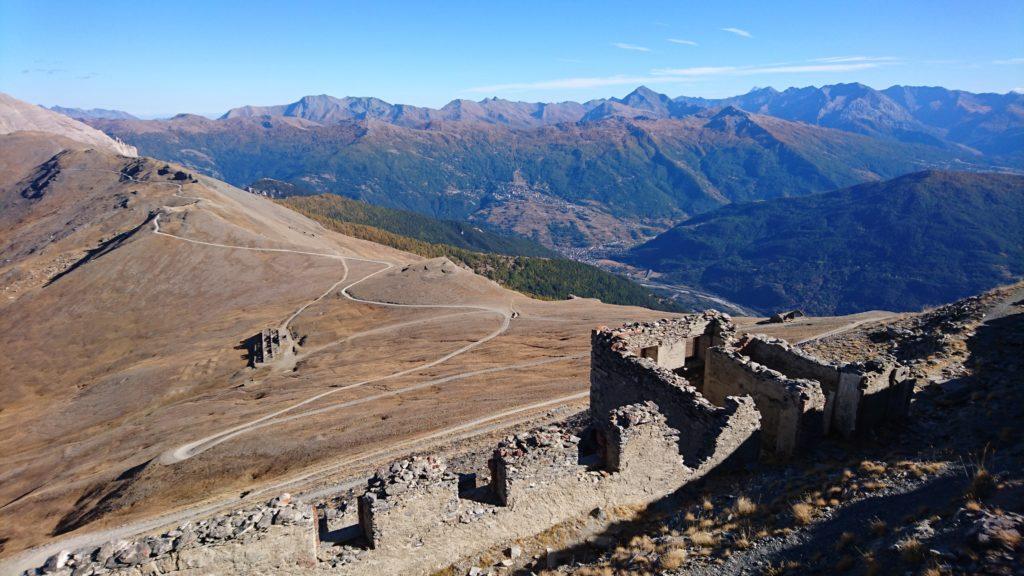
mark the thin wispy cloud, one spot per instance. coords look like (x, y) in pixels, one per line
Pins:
(47, 71)
(681, 75)
(842, 59)
(683, 42)
(738, 32)
(1009, 61)
(633, 47)
(566, 84)
(755, 70)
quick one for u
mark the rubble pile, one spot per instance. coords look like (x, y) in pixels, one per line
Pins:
(239, 525)
(404, 475)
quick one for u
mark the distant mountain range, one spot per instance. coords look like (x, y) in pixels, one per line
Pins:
(915, 114)
(93, 113)
(577, 175)
(917, 240)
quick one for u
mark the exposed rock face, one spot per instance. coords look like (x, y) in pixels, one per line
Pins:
(16, 115)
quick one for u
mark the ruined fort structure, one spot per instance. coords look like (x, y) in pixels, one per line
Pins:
(267, 346)
(671, 401)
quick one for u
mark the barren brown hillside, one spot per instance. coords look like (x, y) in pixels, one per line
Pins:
(129, 290)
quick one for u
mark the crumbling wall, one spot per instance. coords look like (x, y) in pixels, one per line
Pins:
(275, 538)
(872, 394)
(792, 410)
(406, 499)
(528, 462)
(638, 435)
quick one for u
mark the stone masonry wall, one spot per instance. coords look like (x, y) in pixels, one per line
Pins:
(872, 394)
(792, 410)
(524, 462)
(406, 499)
(619, 377)
(781, 356)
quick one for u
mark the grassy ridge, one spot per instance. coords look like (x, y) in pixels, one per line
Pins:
(418, 226)
(544, 278)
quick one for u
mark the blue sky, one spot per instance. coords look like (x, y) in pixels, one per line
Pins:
(153, 58)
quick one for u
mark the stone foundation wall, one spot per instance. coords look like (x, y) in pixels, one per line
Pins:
(792, 410)
(527, 462)
(406, 499)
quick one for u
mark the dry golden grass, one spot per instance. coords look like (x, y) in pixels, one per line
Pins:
(911, 551)
(643, 543)
(921, 469)
(690, 517)
(1010, 539)
(703, 539)
(802, 513)
(874, 468)
(707, 505)
(744, 506)
(673, 559)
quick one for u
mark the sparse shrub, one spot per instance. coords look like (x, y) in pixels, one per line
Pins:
(878, 527)
(844, 563)
(673, 559)
(802, 513)
(983, 484)
(744, 506)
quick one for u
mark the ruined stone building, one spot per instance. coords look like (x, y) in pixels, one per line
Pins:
(670, 402)
(266, 347)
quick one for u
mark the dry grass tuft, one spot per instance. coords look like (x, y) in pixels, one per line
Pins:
(744, 506)
(802, 513)
(921, 469)
(912, 551)
(672, 559)
(875, 468)
(982, 485)
(643, 543)
(707, 505)
(1010, 539)
(703, 539)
